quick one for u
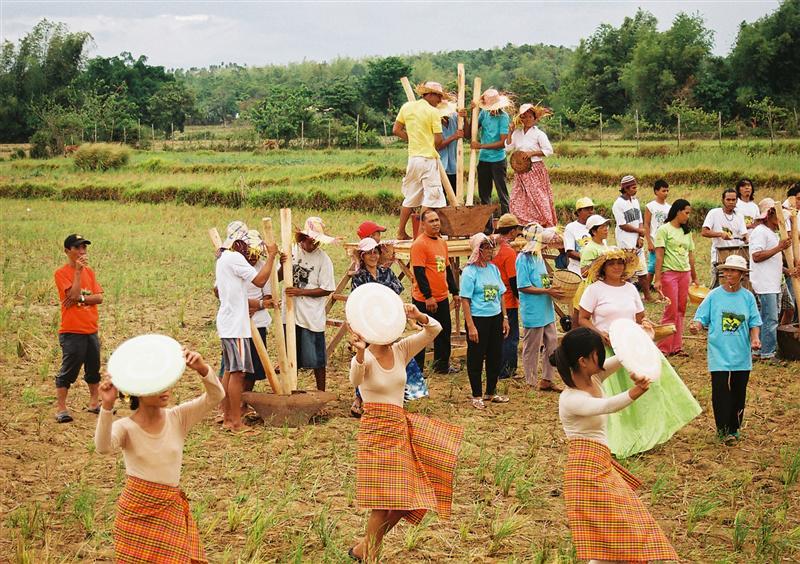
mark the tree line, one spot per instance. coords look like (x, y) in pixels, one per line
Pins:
(51, 92)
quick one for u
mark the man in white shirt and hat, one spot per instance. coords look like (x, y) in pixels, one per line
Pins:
(630, 231)
(313, 282)
(234, 274)
(420, 124)
(726, 228)
(576, 234)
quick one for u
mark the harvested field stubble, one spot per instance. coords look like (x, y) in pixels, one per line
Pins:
(288, 494)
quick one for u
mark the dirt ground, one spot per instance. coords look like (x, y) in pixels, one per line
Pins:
(287, 495)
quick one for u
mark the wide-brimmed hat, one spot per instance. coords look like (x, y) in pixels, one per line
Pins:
(315, 229)
(492, 100)
(538, 237)
(255, 243)
(367, 244)
(432, 87)
(538, 111)
(764, 206)
(475, 243)
(630, 256)
(236, 231)
(446, 108)
(583, 203)
(595, 221)
(508, 220)
(734, 262)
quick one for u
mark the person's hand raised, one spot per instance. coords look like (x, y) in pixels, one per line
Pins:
(108, 393)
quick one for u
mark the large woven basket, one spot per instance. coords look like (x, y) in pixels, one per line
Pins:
(520, 162)
(566, 281)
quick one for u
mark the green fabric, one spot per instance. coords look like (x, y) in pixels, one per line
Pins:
(666, 407)
(677, 245)
(590, 252)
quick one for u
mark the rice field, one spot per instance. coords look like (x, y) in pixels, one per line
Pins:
(287, 495)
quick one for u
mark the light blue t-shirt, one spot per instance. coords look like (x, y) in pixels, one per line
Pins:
(484, 288)
(535, 310)
(729, 317)
(448, 154)
(492, 127)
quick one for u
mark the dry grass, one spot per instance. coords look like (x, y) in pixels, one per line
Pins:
(288, 494)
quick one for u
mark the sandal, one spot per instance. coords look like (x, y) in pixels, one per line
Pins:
(477, 403)
(63, 417)
(548, 386)
(496, 399)
(352, 555)
(95, 410)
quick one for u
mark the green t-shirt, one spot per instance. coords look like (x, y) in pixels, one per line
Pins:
(590, 252)
(677, 245)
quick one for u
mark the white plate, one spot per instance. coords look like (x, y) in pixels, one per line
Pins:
(376, 313)
(146, 365)
(635, 349)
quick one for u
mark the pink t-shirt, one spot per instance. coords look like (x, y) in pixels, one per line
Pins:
(609, 303)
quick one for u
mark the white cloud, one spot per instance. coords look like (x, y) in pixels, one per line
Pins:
(195, 18)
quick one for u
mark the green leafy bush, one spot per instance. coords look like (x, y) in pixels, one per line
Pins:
(101, 156)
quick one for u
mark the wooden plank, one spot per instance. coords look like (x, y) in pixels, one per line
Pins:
(339, 287)
(340, 333)
(788, 254)
(261, 350)
(460, 142)
(276, 330)
(407, 88)
(216, 240)
(473, 153)
(287, 239)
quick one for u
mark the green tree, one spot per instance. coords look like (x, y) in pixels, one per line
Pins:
(169, 106)
(381, 84)
(278, 116)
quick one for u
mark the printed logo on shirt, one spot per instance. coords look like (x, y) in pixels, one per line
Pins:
(546, 281)
(660, 217)
(632, 214)
(731, 321)
(582, 242)
(748, 221)
(728, 231)
(490, 292)
(441, 264)
(300, 275)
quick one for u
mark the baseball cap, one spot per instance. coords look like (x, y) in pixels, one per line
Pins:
(595, 221)
(764, 206)
(368, 228)
(75, 240)
(584, 203)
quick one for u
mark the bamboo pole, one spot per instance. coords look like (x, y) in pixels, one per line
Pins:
(216, 240)
(788, 253)
(288, 271)
(473, 153)
(460, 142)
(261, 350)
(448, 189)
(795, 236)
(277, 318)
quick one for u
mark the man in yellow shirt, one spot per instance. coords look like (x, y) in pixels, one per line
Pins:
(420, 124)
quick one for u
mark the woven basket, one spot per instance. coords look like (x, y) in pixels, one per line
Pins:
(566, 281)
(661, 332)
(697, 294)
(520, 162)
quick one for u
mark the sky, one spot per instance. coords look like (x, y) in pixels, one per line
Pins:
(185, 34)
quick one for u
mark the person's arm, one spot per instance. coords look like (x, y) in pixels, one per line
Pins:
(399, 130)
(438, 141)
(308, 293)
(192, 411)
(496, 145)
(545, 147)
(451, 282)
(611, 365)
(569, 245)
(472, 331)
(422, 281)
(358, 368)
(695, 280)
(585, 320)
(266, 271)
(659, 268)
(648, 218)
(762, 255)
(512, 282)
(411, 345)
(506, 326)
(585, 405)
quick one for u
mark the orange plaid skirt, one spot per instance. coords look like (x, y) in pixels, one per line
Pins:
(607, 519)
(405, 462)
(154, 524)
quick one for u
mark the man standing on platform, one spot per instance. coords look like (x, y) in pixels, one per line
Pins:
(432, 279)
(725, 228)
(420, 123)
(493, 125)
(508, 229)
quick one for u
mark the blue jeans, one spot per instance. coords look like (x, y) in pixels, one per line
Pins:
(768, 305)
(510, 345)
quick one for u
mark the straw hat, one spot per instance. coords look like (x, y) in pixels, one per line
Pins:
(508, 220)
(431, 87)
(475, 243)
(764, 206)
(446, 108)
(315, 229)
(631, 259)
(539, 237)
(538, 111)
(492, 100)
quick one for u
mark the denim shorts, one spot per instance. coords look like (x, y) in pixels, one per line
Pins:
(310, 348)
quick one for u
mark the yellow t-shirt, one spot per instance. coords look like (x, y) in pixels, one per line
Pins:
(422, 121)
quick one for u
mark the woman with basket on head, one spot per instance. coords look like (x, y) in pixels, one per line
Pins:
(674, 271)
(608, 522)
(405, 462)
(669, 405)
(531, 195)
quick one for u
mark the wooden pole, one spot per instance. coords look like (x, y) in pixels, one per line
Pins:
(637, 129)
(216, 240)
(719, 127)
(448, 189)
(788, 253)
(287, 240)
(358, 129)
(302, 135)
(277, 318)
(679, 131)
(460, 142)
(473, 153)
(601, 130)
(795, 234)
(261, 350)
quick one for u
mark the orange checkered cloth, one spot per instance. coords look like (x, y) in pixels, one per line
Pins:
(607, 519)
(154, 524)
(405, 462)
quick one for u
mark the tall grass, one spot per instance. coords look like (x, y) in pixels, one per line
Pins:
(101, 156)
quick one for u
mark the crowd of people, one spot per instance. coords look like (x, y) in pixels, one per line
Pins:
(506, 293)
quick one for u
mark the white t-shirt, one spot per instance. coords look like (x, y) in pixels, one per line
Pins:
(532, 140)
(658, 215)
(311, 271)
(718, 220)
(749, 211)
(627, 212)
(261, 318)
(765, 276)
(576, 236)
(234, 275)
(609, 303)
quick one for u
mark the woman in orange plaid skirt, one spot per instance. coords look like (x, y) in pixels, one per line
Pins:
(153, 522)
(404, 462)
(607, 520)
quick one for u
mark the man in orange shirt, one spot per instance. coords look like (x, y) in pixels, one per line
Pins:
(433, 277)
(508, 228)
(80, 294)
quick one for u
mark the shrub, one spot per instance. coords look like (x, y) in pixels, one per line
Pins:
(101, 156)
(653, 151)
(18, 153)
(42, 145)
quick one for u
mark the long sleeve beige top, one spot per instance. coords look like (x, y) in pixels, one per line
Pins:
(379, 385)
(156, 457)
(584, 415)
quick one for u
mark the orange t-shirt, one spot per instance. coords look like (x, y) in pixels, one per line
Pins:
(432, 254)
(80, 318)
(506, 262)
